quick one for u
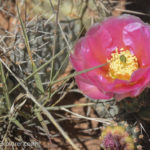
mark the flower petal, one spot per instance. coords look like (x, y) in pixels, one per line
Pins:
(137, 37)
(91, 90)
(77, 57)
(96, 47)
(100, 51)
(139, 79)
(115, 25)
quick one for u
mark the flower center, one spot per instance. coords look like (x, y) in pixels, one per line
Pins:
(122, 64)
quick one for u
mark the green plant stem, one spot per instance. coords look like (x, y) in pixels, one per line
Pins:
(5, 88)
(54, 46)
(41, 120)
(77, 73)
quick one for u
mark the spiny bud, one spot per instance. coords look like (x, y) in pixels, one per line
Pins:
(120, 136)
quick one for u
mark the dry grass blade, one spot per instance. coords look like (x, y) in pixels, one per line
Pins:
(64, 94)
(53, 121)
(133, 12)
(106, 121)
(34, 67)
(17, 123)
(57, 73)
(36, 76)
(51, 118)
(54, 46)
(69, 106)
(5, 88)
(37, 79)
(41, 67)
(41, 119)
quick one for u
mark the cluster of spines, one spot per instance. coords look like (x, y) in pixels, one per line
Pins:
(121, 136)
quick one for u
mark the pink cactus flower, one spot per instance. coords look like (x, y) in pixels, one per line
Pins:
(123, 43)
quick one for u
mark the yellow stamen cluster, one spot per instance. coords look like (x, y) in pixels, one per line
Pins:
(122, 64)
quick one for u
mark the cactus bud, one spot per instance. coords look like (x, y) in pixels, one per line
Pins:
(120, 136)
